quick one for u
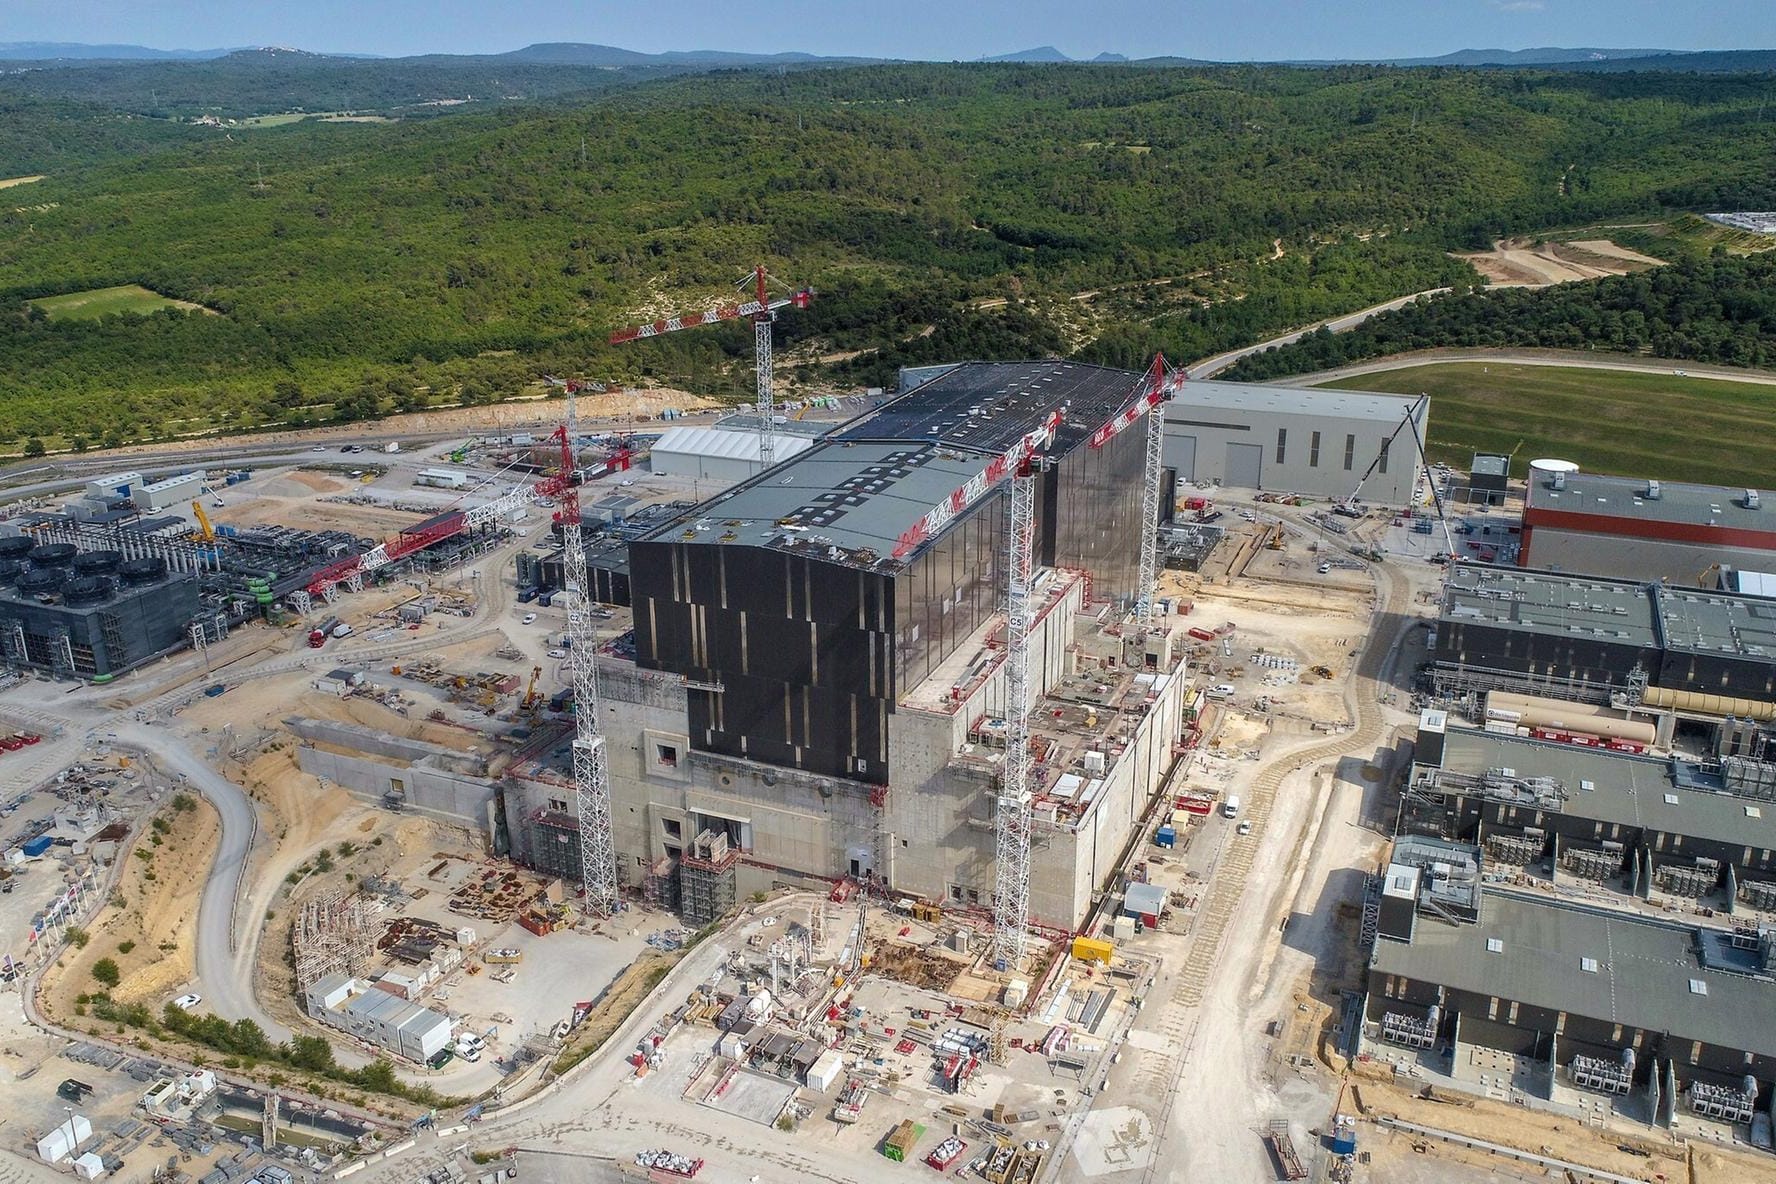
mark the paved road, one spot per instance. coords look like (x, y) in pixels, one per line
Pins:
(1209, 367)
(225, 977)
(1576, 361)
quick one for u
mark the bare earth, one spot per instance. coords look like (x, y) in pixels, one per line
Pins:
(155, 907)
(1515, 263)
(9, 182)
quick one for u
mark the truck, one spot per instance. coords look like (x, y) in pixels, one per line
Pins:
(1231, 807)
(317, 637)
(342, 630)
(392, 446)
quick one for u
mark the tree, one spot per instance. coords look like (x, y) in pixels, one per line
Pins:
(34, 447)
(105, 971)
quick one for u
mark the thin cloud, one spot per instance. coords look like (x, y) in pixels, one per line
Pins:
(1518, 5)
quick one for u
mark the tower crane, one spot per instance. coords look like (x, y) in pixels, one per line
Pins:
(1163, 385)
(598, 853)
(761, 310)
(1023, 464)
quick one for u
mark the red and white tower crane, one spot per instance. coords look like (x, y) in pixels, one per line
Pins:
(1022, 463)
(761, 310)
(592, 805)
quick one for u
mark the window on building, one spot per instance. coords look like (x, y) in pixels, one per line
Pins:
(1382, 463)
(666, 755)
(559, 805)
(1313, 451)
(1282, 443)
(674, 828)
(1350, 453)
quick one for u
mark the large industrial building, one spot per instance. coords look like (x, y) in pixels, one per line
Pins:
(1588, 638)
(1296, 440)
(805, 703)
(1523, 939)
(90, 614)
(1698, 828)
(727, 452)
(1645, 530)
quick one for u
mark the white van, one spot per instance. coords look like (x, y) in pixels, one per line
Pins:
(1231, 807)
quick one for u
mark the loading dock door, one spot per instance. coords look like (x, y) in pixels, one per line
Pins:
(1179, 455)
(1245, 464)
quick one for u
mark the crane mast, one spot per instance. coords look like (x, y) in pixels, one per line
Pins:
(598, 853)
(761, 310)
(1011, 831)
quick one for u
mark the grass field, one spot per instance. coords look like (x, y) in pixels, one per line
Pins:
(1711, 431)
(102, 302)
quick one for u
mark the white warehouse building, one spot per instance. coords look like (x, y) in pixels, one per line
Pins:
(167, 493)
(717, 453)
(1293, 440)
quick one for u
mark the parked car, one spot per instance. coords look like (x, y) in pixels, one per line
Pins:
(558, 653)
(187, 1002)
(1245, 826)
(529, 618)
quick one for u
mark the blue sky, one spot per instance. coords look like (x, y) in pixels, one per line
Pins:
(931, 29)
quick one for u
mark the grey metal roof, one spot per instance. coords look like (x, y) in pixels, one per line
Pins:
(1490, 464)
(1213, 395)
(1644, 970)
(1626, 498)
(987, 406)
(849, 498)
(1697, 621)
(1628, 790)
(1546, 602)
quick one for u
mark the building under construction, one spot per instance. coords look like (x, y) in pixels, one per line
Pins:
(819, 673)
(333, 935)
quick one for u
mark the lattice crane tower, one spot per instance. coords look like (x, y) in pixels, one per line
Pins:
(761, 310)
(598, 851)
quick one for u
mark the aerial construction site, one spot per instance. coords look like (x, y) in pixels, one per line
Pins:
(995, 772)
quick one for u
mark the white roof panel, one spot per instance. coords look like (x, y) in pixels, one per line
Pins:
(724, 444)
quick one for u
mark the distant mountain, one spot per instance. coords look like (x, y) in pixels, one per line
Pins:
(52, 51)
(1546, 56)
(1712, 61)
(568, 53)
(1043, 53)
(1108, 58)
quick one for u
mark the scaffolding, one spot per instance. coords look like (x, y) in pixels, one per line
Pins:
(659, 887)
(333, 935)
(706, 879)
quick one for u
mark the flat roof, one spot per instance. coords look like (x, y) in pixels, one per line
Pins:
(1696, 621)
(1643, 976)
(1551, 603)
(986, 407)
(1751, 583)
(857, 498)
(1626, 498)
(1210, 394)
(727, 443)
(851, 496)
(1629, 790)
(1490, 464)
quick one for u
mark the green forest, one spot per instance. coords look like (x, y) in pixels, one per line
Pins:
(939, 211)
(1719, 309)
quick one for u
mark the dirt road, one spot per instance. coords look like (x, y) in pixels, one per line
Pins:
(1581, 361)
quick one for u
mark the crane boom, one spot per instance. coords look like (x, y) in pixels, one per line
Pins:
(761, 310)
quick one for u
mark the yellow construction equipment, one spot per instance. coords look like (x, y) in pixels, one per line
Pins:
(205, 531)
(531, 695)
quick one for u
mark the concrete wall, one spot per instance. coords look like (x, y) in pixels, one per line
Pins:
(1196, 440)
(435, 781)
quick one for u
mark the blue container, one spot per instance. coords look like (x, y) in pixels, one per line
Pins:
(1165, 837)
(1344, 1141)
(38, 845)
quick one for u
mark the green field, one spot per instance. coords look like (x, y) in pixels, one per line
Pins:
(103, 302)
(1711, 431)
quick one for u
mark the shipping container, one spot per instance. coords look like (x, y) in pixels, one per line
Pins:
(898, 1146)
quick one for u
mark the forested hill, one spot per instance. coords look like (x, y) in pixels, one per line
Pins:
(963, 210)
(1720, 309)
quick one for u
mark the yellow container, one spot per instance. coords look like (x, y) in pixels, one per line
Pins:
(1091, 949)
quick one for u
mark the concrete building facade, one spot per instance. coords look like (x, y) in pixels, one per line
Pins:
(1295, 439)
